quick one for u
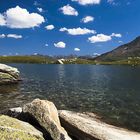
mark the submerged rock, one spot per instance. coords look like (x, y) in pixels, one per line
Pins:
(46, 114)
(8, 74)
(84, 127)
(13, 129)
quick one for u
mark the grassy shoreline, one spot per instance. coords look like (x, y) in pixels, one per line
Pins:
(50, 60)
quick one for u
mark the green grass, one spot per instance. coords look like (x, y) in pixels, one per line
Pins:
(130, 61)
(51, 60)
(26, 59)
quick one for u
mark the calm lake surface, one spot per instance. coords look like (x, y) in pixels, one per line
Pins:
(113, 92)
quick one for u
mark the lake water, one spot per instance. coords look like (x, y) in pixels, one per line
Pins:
(113, 92)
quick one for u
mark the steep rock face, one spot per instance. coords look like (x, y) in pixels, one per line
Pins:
(84, 127)
(8, 74)
(46, 114)
(12, 129)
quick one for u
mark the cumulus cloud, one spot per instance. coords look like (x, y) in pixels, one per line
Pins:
(99, 38)
(40, 9)
(78, 31)
(14, 36)
(103, 37)
(60, 44)
(87, 19)
(2, 20)
(116, 35)
(46, 45)
(49, 27)
(20, 18)
(76, 49)
(2, 35)
(87, 2)
(11, 36)
(68, 10)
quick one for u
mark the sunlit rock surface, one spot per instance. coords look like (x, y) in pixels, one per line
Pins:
(84, 127)
(8, 74)
(46, 114)
(13, 129)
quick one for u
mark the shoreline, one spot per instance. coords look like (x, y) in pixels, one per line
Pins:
(94, 127)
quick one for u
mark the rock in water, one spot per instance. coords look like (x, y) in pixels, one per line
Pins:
(13, 129)
(46, 114)
(8, 74)
(84, 127)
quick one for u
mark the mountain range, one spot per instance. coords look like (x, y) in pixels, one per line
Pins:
(130, 50)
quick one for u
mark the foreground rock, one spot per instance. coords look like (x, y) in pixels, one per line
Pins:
(46, 114)
(13, 129)
(83, 127)
(8, 74)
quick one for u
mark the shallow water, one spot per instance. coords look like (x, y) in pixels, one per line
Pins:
(113, 92)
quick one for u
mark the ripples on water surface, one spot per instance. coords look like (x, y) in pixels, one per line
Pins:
(110, 91)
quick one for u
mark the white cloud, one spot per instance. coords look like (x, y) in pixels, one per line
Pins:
(113, 2)
(60, 44)
(87, 19)
(68, 10)
(96, 54)
(110, 1)
(46, 45)
(40, 9)
(116, 35)
(49, 27)
(120, 41)
(103, 37)
(2, 20)
(20, 18)
(99, 38)
(10, 36)
(36, 3)
(78, 31)
(87, 2)
(14, 36)
(2, 35)
(76, 49)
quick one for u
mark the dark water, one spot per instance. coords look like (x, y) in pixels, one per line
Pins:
(112, 92)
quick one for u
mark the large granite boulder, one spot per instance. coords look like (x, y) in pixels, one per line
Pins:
(8, 74)
(46, 115)
(85, 127)
(13, 129)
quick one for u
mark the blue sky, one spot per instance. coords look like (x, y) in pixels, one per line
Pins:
(63, 27)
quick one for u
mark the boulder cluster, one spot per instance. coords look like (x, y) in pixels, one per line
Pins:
(40, 120)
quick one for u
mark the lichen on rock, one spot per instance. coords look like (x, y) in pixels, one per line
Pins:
(13, 129)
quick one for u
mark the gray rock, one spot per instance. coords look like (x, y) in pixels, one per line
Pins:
(85, 127)
(8, 74)
(13, 129)
(46, 114)
(14, 112)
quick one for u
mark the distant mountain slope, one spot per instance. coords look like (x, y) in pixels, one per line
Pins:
(125, 51)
